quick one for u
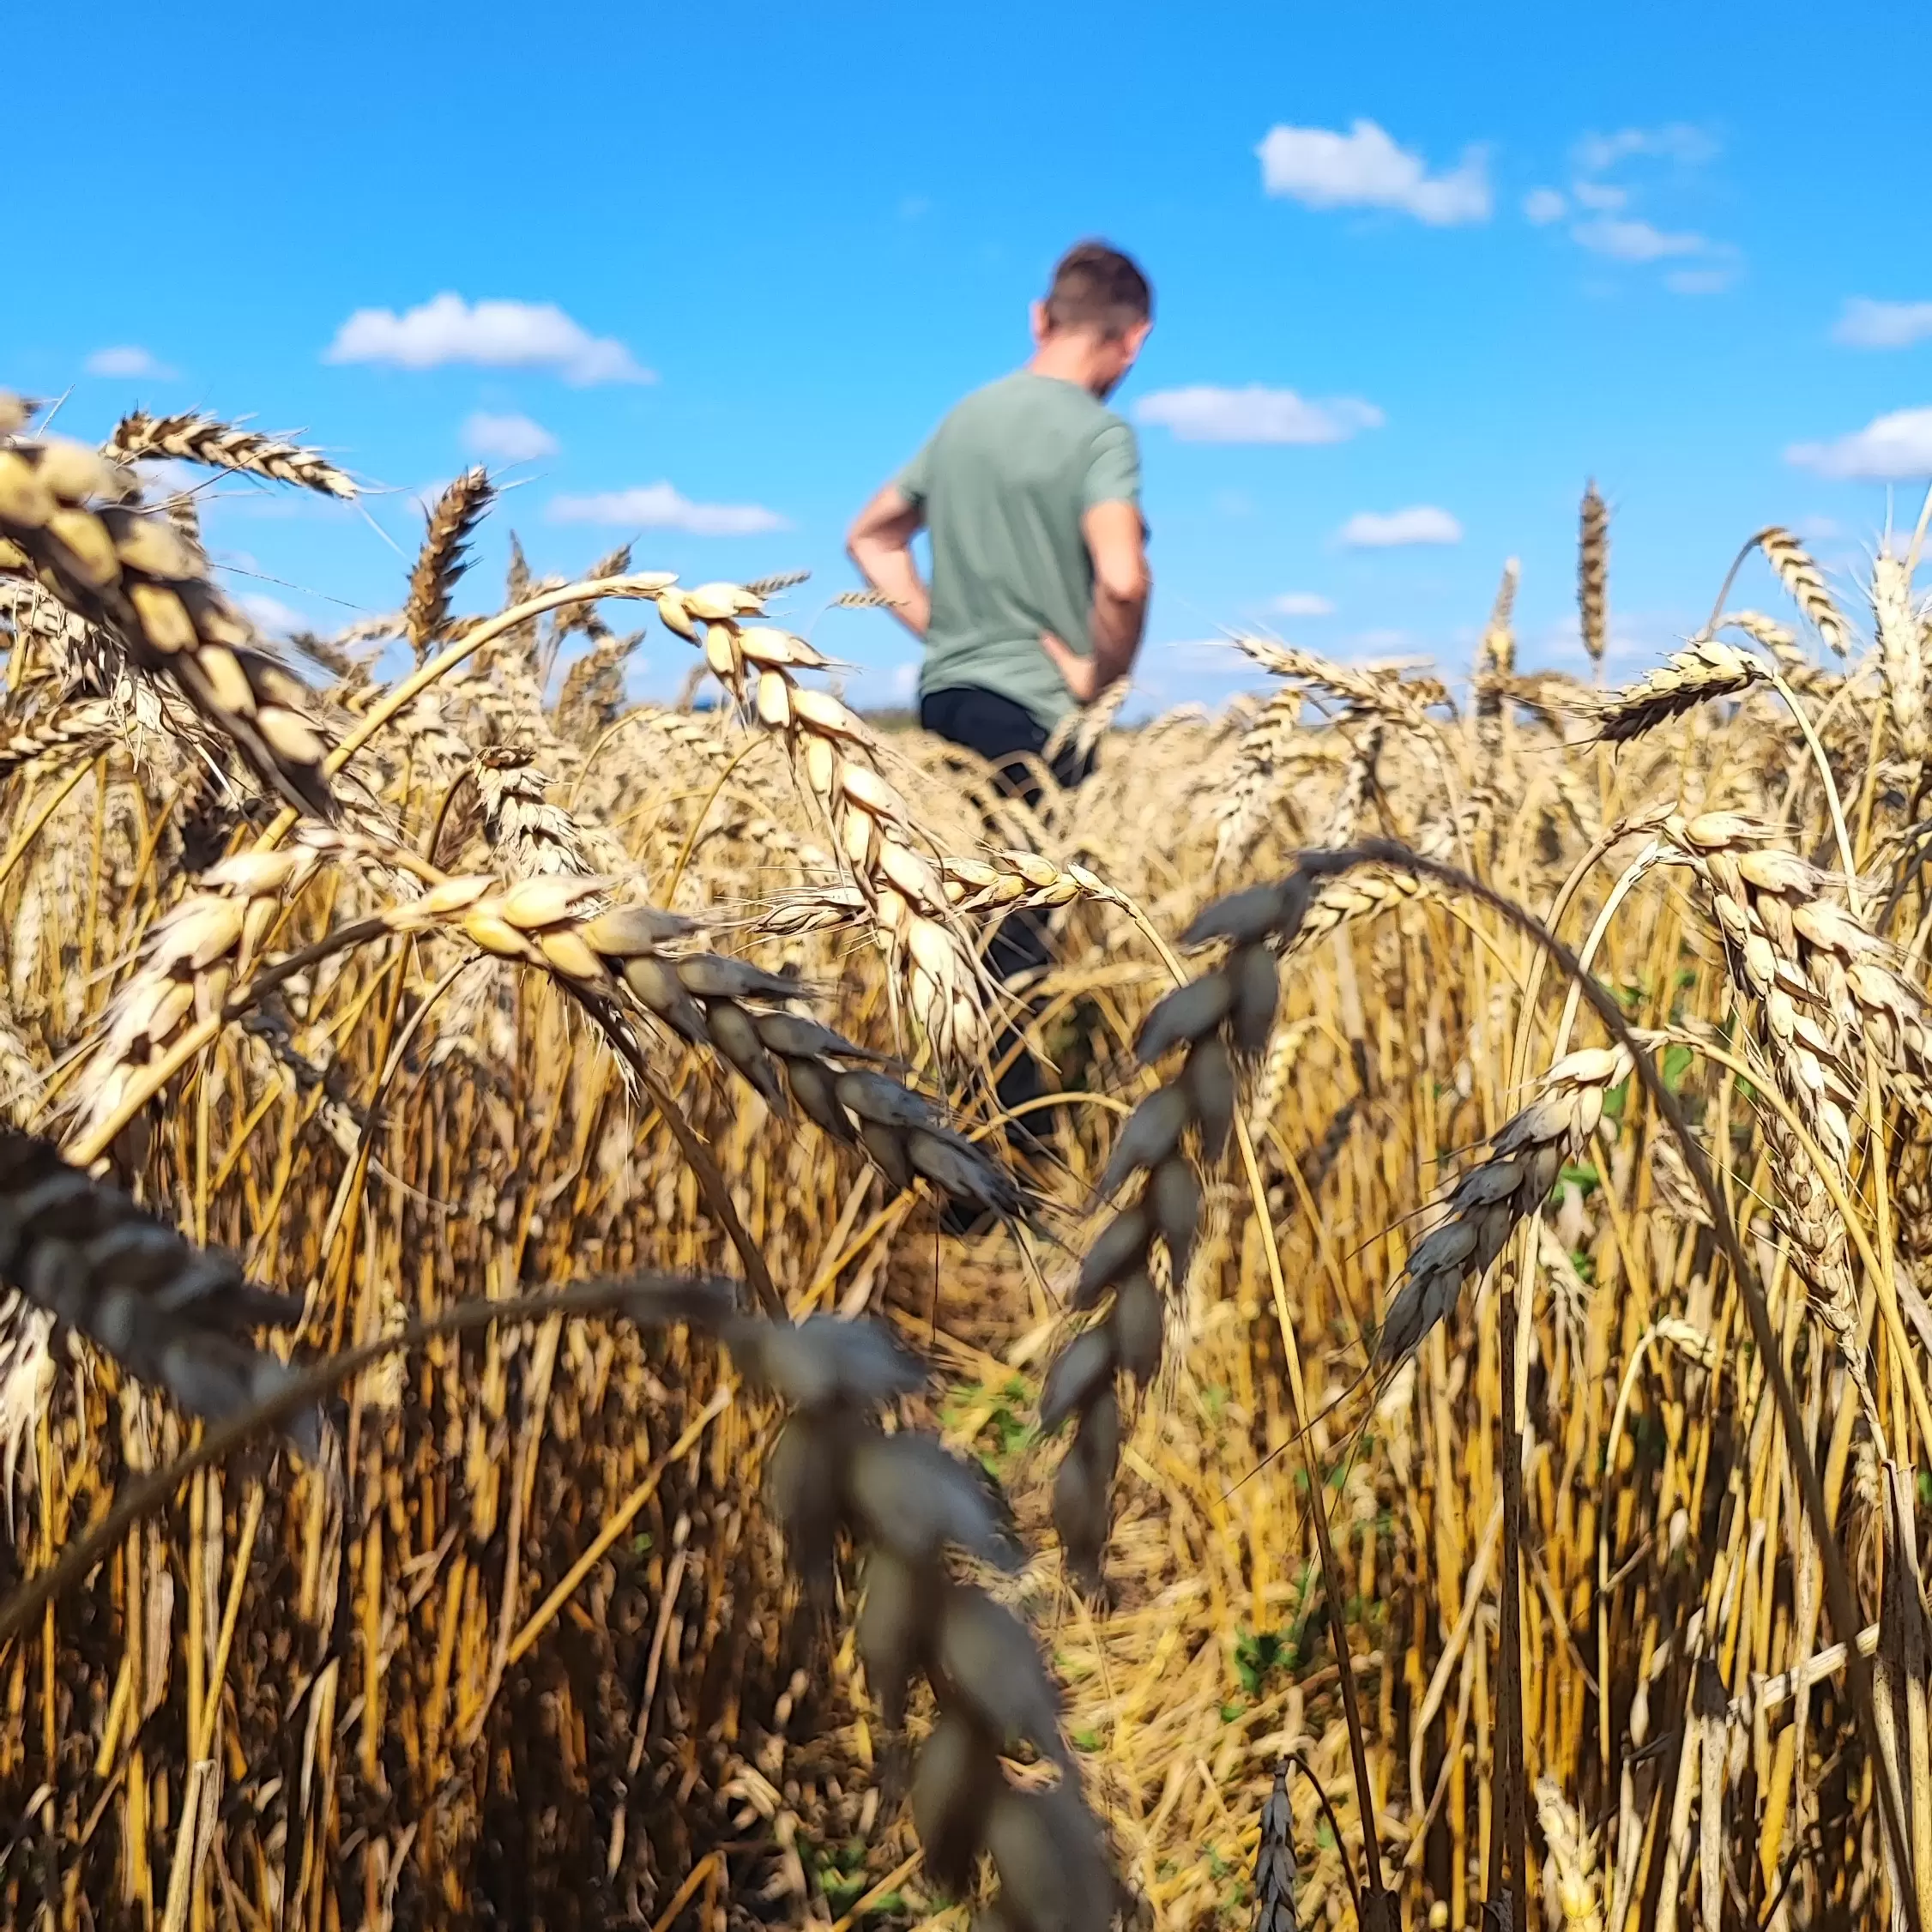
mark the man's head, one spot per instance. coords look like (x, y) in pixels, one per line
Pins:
(1096, 316)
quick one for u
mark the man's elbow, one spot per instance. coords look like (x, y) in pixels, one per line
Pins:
(1126, 582)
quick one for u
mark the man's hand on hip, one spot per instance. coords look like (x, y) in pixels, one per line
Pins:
(1081, 675)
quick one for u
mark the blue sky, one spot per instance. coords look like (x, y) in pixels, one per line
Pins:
(1420, 271)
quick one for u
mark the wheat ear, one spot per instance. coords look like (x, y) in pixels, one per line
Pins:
(214, 445)
(169, 1314)
(444, 557)
(874, 828)
(1593, 573)
(1805, 584)
(67, 512)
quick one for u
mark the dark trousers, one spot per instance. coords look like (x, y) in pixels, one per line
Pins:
(1004, 734)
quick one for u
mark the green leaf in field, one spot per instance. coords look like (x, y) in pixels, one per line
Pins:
(1583, 1176)
(1256, 1655)
(1676, 1063)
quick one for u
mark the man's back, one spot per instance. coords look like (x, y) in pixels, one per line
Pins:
(1002, 486)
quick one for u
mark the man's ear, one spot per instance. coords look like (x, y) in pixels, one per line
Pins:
(1037, 315)
(1137, 337)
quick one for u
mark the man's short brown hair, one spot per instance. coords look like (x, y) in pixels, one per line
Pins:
(1096, 286)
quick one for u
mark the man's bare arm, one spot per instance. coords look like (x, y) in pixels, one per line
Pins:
(1117, 543)
(879, 543)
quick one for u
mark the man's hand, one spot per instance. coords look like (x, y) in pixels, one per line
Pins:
(879, 543)
(1081, 675)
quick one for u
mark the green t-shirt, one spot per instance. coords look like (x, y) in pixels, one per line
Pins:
(1004, 483)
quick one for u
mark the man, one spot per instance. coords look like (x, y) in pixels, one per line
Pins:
(1029, 490)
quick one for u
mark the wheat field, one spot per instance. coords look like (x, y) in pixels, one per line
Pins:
(1438, 1445)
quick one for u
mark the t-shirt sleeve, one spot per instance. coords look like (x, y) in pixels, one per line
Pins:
(914, 481)
(1114, 466)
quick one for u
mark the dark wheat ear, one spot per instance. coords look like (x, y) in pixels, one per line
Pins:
(444, 557)
(170, 1313)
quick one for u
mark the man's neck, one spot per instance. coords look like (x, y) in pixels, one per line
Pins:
(1068, 360)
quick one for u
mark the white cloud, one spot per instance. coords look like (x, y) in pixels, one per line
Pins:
(1364, 168)
(657, 506)
(1635, 241)
(130, 363)
(510, 438)
(1699, 282)
(1600, 196)
(489, 335)
(903, 680)
(1302, 603)
(1254, 415)
(1677, 141)
(1865, 324)
(1544, 205)
(272, 616)
(1369, 529)
(1892, 449)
